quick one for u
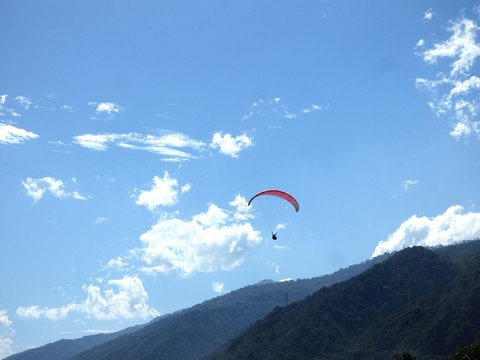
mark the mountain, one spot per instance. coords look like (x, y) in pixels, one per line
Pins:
(419, 300)
(201, 329)
(65, 348)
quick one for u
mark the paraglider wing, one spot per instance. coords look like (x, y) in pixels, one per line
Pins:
(280, 194)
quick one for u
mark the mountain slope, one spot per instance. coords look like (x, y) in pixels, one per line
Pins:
(65, 348)
(326, 324)
(195, 332)
(437, 324)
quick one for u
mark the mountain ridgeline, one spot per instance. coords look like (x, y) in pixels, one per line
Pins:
(195, 332)
(421, 301)
(425, 301)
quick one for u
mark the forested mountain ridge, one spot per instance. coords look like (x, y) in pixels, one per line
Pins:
(259, 299)
(200, 330)
(418, 300)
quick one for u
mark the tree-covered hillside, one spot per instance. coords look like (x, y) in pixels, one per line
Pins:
(417, 300)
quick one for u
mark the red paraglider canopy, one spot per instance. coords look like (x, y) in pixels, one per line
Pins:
(280, 194)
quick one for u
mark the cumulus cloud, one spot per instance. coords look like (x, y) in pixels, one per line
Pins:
(217, 287)
(229, 145)
(37, 188)
(6, 333)
(242, 210)
(164, 192)
(107, 108)
(125, 298)
(169, 144)
(450, 227)
(5, 347)
(12, 135)
(209, 241)
(455, 92)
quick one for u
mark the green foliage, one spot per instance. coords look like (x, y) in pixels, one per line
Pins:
(405, 356)
(416, 299)
(471, 352)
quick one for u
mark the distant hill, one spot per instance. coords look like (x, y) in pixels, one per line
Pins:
(66, 348)
(418, 300)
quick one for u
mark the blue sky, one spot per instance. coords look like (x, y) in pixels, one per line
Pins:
(133, 134)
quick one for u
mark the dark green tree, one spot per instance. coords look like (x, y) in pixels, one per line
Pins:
(405, 356)
(470, 352)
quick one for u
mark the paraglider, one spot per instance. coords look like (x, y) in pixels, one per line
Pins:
(281, 194)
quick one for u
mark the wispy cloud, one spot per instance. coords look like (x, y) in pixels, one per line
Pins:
(277, 108)
(12, 135)
(455, 92)
(209, 241)
(37, 188)
(229, 145)
(24, 101)
(124, 298)
(100, 220)
(428, 15)
(163, 192)
(450, 227)
(408, 184)
(171, 145)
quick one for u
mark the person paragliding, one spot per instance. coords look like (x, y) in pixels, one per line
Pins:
(281, 194)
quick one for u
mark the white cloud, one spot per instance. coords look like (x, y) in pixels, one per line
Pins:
(229, 145)
(4, 320)
(242, 209)
(100, 220)
(455, 92)
(24, 101)
(280, 227)
(450, 227)
(185, 188)
(420, 43)
(428, 15)
(207, 242)
(164, 192)
(285, 280)
(37, 188)
(168, 144)
(275, 107)
(6, 332)
(5, 347)
(12, 135)
(461, 46)
(125, 298)
(107, 108)
(408, 184)
(117, 263)
(217, 287)
(3, 99)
